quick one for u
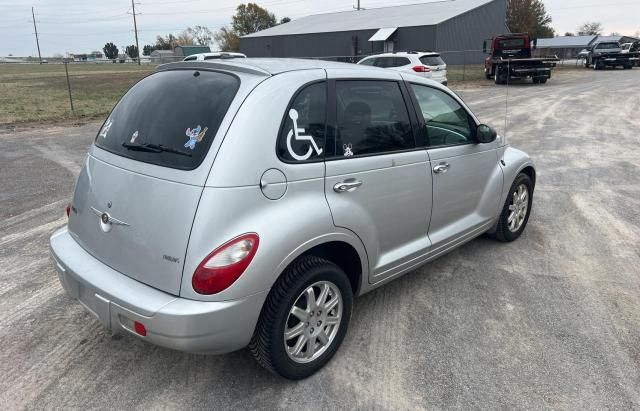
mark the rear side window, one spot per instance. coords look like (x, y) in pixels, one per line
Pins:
(431, 60)
(372, 118)
(400, 61)
(302, 134)
(368, 62)
(169, 118)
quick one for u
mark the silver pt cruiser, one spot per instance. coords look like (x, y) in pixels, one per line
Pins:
(236, 203)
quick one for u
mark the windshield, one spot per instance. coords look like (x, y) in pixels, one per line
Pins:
(169, 118)
(608, 46)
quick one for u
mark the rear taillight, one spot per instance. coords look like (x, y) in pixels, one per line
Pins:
(68, 209)
(225, 265)
(421, 69)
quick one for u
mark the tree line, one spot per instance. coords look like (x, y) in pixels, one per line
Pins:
(248, 19)
(530, 16)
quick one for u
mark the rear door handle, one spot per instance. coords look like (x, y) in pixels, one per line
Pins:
(348, 185)
(441, 168)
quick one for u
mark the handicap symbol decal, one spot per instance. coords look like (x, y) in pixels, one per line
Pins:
(293, 114)
(195, 136)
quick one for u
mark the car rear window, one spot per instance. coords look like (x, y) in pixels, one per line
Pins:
(431, 60)
(169, 118)
(507, 43)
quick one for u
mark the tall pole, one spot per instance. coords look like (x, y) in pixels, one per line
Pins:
(33, 14)
(358, 8)
(135, 28)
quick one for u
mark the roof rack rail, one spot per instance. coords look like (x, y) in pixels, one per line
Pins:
(411, 51)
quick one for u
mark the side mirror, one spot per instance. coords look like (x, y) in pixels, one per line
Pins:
(484, 47)
(485, 134)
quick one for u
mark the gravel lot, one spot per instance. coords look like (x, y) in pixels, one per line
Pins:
(549, 321)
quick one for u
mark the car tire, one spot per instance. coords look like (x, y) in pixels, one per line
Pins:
(513, 210)
(536, 80)
(542, 80)
(287, 300)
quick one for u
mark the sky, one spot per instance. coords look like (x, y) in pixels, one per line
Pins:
(77, 26)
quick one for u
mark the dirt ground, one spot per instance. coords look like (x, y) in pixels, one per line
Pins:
(549, 321)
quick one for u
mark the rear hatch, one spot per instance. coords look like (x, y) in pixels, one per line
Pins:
(437, 65)
(138, 223)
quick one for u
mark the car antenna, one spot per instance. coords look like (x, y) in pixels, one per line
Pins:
(506, 101)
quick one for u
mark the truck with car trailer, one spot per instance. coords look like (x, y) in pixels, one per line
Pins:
(511, 56)
(603, 54)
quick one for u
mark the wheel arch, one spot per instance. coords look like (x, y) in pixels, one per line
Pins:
(531, 172)
(342, 249)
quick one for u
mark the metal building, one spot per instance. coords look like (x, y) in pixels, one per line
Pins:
(456, 28)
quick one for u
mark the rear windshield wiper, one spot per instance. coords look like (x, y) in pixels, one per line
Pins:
(153, 148)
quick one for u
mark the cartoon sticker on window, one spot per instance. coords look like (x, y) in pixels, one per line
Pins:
(195, 136)
(293, 114)
(105, 129)
(348, 149)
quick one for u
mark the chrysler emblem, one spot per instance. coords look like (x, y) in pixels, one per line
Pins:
(107, 221)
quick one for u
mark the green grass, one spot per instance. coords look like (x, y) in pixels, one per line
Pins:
(470, 72)
(34, 93)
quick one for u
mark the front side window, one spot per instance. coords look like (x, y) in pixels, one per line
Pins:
(169, 118)
(372, 118)
(302, 135)
(446, 121)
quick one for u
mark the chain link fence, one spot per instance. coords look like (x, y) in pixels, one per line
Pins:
(61, 89)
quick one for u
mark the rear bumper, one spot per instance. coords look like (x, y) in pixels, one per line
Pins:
(117, 301)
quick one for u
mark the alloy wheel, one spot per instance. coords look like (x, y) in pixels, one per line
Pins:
(313, 322)
(518, 208)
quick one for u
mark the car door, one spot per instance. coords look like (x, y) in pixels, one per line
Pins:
(467, 179)
(377, 183)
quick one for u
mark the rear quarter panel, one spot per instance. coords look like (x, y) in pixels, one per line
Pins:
(232, 202)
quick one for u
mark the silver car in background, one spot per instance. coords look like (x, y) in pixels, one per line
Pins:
(238, 203)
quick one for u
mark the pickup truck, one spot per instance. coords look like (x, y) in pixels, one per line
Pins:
(511, 57)
(603, 54)
(630, 48)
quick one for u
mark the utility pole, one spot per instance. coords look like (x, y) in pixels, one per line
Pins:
(33, 14)
(135, 27)
(358, 8)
